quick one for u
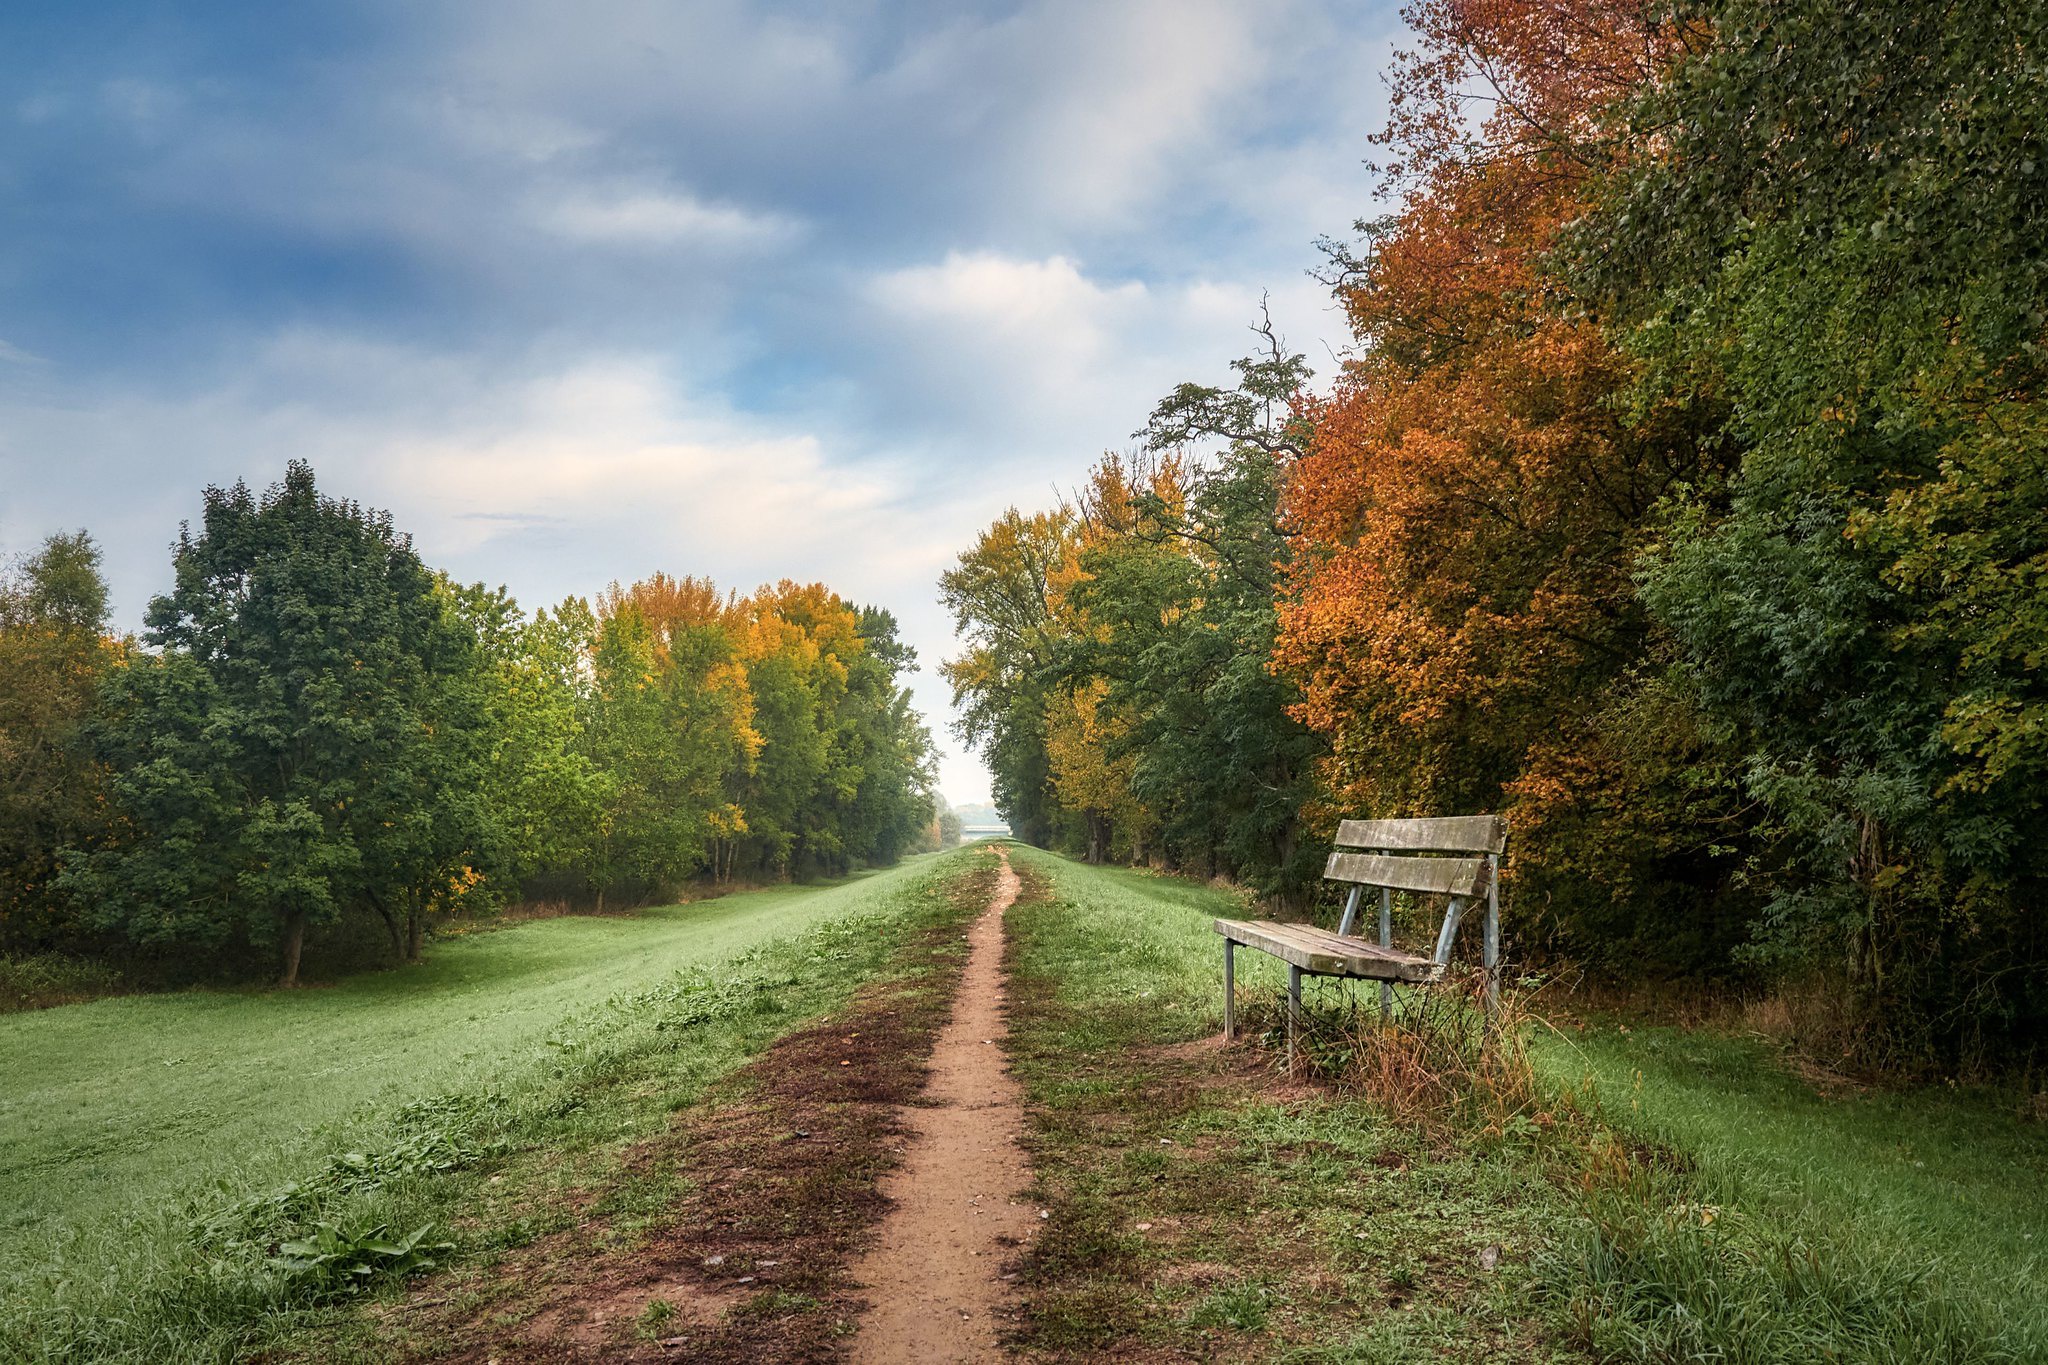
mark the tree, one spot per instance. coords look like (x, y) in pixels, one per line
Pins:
(884, 746)
(1000, 594)
(306, 741)
(1173, 596)
(669, 720)
(543, 790)
(1832, 219)
(54, 653)
(1473, 498)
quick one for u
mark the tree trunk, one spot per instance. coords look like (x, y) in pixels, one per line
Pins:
(415, 931)
(390, 926)
(294, 942)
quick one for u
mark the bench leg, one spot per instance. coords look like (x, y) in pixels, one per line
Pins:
(1293, 1011)
(1229, 990)
(1386, 941)
(1490, 948)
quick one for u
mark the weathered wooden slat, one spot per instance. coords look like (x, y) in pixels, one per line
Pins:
(1321, 953)
(1443, 834)
(1343, 944)
(1442, 876)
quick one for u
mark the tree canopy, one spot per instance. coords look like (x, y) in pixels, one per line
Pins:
(1682, 495)
(316, 731)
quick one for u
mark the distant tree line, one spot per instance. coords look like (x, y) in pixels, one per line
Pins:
(1684, 496)
(315, 728)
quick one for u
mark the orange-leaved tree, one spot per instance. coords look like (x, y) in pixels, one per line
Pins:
(1460, 610)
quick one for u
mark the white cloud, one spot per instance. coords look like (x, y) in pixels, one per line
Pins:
(1132, 92)
(994, 294)
(665, 218)
(1038, 366)
(554, 477)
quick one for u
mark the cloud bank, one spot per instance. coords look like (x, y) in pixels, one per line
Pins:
(735, 289)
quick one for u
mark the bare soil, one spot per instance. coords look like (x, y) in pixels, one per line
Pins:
(938, 1276)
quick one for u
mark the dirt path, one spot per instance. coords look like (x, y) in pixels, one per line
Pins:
(935, 1275)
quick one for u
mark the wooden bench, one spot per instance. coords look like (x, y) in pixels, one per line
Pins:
(1381, 853)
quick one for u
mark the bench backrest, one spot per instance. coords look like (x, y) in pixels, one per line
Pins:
(1368, 853)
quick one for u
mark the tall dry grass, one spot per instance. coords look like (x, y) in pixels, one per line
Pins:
(1438, 1059)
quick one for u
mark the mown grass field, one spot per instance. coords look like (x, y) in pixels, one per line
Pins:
(155, 1151)
(1202, 1210)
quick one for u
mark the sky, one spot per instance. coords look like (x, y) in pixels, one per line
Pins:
(578, 292)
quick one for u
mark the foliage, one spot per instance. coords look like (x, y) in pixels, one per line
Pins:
(321, 733)
(330, 1260)
(1001, 595)
(1683, 497)
(1133, 704)
(1474, 496)
(306, 739)
(54, 652)
(1857, 277)
(33, 981)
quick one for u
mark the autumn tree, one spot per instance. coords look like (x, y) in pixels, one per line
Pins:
(1475, 493)
(1000, 593)
(668, 720)
(54, 653)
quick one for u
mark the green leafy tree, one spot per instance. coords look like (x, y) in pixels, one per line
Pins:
(305, 744)
(884, 749)
(54, 652)
(544, 791)
(1000, 593)
(1177, 588)
(1831, 218)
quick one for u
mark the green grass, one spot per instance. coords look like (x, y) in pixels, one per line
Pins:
(1948, 1175)
(1871, 1225)
(1195, 1213)
(155, 1151)
(1737, 1215)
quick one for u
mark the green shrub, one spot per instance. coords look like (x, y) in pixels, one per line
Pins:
(34, 981)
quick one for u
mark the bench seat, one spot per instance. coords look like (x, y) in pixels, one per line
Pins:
(1319, 952)
(1392, 855)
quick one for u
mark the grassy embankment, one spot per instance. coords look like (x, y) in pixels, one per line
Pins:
(1714, 1208)
(156, 1152)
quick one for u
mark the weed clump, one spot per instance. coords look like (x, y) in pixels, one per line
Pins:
(34, 981)
(1437, 1058)
(331, 1261)
(1241, 1307)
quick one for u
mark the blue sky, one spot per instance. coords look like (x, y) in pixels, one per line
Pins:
(584, 291)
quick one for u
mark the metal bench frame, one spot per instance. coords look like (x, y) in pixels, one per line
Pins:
(1375, 853)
